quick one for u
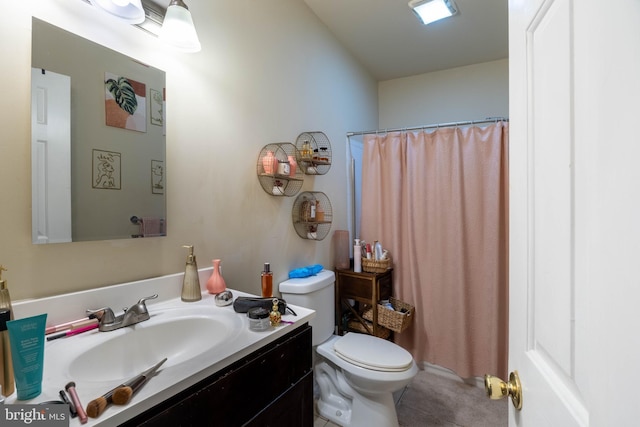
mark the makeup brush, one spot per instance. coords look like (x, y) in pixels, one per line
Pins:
(122, 395)
(97, 406)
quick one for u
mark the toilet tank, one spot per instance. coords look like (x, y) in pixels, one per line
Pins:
(317, 293)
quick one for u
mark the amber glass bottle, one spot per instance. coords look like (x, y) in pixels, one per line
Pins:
(267, 281)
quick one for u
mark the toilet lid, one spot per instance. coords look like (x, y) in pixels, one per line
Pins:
(374, 353)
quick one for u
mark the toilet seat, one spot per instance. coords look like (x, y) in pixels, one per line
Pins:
(373, 353)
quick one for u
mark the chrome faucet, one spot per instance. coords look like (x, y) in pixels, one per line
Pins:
(132, 315)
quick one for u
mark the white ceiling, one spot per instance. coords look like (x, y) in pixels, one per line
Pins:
(389, 40)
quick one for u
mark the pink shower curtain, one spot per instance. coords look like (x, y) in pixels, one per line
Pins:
(438, 202)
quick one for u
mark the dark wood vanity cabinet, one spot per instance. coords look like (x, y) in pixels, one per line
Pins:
(273, 386)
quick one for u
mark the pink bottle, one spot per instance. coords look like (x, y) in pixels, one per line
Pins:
(293, 165)
(269, 163)
(216, 283)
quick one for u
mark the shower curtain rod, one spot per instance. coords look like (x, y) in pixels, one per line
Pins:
(439, 125)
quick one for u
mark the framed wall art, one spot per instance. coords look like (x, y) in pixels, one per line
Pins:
(157, 177)
(125, 103)
(106, 170)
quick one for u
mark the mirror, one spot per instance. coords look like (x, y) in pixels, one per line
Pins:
(98, 141)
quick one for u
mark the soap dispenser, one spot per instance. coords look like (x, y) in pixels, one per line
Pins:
(191, 282)
(5, 298)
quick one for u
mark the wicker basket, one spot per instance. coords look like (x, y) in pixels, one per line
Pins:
(381, 332)
(393, 319)
(373, 266)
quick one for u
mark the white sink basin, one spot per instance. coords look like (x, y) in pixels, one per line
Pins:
(179, 334)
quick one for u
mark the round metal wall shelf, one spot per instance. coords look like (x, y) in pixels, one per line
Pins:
(314, 153)
(312, 215)
(278, 171)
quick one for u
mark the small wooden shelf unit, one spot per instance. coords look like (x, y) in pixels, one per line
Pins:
(366, 290)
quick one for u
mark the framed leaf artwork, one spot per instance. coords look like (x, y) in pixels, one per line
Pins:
(125, 103)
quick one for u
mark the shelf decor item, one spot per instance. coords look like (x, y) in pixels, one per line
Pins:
(216, 283)
(314, 153)
(269, 163)
(276, 173)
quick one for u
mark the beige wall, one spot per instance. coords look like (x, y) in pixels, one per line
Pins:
(474, 92)
(267, 72)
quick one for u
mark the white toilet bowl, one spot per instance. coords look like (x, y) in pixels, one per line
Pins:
(356, 373)
(358, 377)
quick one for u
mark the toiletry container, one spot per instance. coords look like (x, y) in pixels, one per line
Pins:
(377, 248)
(319, 211)
(7, 381)
(357, 257)
(191, 282)
(5, 298)
(284, 167)
(258, 319)
(216, 283)
(266, 279)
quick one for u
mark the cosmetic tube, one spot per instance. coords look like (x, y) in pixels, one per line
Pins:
(71, 325)
(72, 332)
(27, 354)
(6, 367)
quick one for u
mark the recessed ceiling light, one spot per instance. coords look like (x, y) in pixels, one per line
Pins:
(433, 10)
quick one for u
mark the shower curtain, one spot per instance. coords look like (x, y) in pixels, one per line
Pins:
(437, 200)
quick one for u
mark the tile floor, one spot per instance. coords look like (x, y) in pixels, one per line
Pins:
(438, 401)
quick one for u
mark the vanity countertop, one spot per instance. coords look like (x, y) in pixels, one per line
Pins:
(174, 375)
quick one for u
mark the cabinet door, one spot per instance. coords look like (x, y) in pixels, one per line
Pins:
(290, 409)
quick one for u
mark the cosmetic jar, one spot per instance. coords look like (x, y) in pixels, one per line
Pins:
(258, 319)
(283, 168)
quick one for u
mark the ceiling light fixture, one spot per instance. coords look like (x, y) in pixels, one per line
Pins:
(178, 29)
(130, 11)
(433, 10)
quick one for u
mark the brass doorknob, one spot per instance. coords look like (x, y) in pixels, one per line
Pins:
(497, 389)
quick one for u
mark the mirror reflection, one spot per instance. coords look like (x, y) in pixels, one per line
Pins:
(98, 141)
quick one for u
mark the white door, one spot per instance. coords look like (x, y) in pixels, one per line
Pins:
(50, 157)
(575, 211)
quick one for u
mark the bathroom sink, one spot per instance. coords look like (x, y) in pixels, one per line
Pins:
(179, 334)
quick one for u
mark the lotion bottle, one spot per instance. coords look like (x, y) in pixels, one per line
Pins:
(377, 248)
(191, 282)
(357, 257)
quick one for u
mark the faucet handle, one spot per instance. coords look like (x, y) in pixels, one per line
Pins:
(104, 315)
(142, 300)
(141, 307)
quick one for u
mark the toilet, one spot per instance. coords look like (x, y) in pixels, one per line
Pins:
(356, 374)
